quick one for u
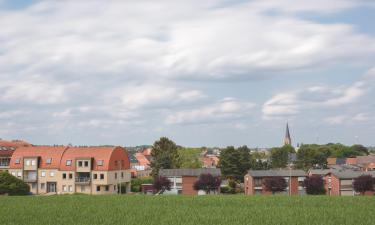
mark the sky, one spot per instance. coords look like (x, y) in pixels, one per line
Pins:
(203, 73)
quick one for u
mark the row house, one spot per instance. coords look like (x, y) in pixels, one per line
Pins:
(67, 170)
(254, 181)
(182, 180)
(6, 151)
(340, 183)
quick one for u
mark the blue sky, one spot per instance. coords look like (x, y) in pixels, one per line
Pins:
(216, 73)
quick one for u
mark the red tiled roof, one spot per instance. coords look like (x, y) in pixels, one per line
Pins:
(5, 147)
(44, 152)
(108, 154)
(147, 152)
(143, 161)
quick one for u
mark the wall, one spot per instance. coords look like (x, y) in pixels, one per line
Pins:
(187, 185)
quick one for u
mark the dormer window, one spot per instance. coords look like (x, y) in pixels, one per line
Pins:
(18, 160)
(68, 162)
(100, 162)
(48, 161)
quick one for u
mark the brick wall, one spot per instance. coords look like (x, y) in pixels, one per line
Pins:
(187, 185)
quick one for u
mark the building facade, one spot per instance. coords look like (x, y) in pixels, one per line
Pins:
(6, 151)
(340, 183)
(67, 170)
(254, 181)
(183, 179)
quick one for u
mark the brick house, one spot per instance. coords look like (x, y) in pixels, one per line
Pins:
(67, 170)
(254, 180)
(184, 179)
(340, 183)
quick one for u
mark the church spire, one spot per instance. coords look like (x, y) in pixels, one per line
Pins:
(287, 139)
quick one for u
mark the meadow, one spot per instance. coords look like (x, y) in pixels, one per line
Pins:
(197, 210)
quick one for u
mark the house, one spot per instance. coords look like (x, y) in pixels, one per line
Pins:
(67, 170)
(6, 151)
(184, 179)
(340, 183)
(254, 181)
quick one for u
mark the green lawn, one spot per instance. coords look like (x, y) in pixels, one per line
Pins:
(173, 210)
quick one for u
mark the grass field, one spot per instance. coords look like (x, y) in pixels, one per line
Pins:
(173, 210)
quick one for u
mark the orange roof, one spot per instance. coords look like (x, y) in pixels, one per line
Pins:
(44, 152)
(351, 161)
(331, 161)
(147, 151)
(60, 154)
(210, 161)
(7, 147)
(143, 161)
(108, 154)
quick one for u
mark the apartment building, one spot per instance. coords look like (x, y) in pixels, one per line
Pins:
(254, 181)
(67, 170)
(340, 183)
(6, 151)
(183, 179)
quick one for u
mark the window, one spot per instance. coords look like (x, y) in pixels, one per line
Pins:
(70, 176)
(83, 188)
(97, 188)
(19, 174)
(51, 174)
(27, 162)
(95, 176)
(33, 185)
(48, 161)
(33, 162)
(68, 162)
(79, 163)
(43, 173)
(42, 186)
(14, 173)
(102, 176)
(86, 163)
(122, 174)
(115, 175)
(64, 188)
(18, 161)
(100, 162)
(70, 188)
(114, 187)
(107, 188)
(64, 176)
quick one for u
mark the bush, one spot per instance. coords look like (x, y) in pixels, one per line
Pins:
(314, 185)
(137, 182)
(363, 183)
(207, 182)
(162, 184)
(275, 184)
(12, 186)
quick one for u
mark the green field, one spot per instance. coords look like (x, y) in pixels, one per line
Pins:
(173, 210)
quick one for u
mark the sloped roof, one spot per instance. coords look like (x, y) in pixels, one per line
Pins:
(189, 172)
(348, 174)
(142, 159)
(44, 152)
(7, 147)
(276, 173)
(365, 159)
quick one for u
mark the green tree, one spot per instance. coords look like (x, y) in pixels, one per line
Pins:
(280, 156)
(360, 149)
(12, 186)
(189, 157)
(165, 156)
(136, 183)
(234, 163)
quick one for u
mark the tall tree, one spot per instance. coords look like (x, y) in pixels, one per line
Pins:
(280, 156)
(275, 184)
(363, 183)
(165, 156)
(314, 185)
(234, 163)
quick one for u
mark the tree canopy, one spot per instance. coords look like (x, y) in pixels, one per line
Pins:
(235, 162)
(363, 183)
(207, 182)
(12, 186)
(314, 185)
(161, 184)
(165, 156)
(280, 156)
(275, 184)
(189, 157)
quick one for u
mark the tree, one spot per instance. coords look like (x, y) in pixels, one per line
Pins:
(314, 185)
(275, 184)
(12, 186)
(165, 156)
(363, 183)
(189, 157)
(280, 156)
(234, 163)
(207, 182)
(360, 149)
(161, 184)
(136, 183)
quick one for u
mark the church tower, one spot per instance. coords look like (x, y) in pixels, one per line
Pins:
(287, 139)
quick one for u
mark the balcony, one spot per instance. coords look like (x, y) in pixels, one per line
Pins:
(30, 179)
(83, 180)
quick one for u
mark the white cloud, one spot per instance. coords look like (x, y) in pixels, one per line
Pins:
(226, 110)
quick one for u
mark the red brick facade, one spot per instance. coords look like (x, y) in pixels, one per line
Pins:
(187, 185)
